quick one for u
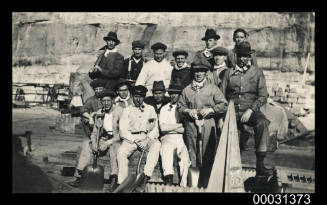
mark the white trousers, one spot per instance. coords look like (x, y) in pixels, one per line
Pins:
(126, 149)
(169, 144)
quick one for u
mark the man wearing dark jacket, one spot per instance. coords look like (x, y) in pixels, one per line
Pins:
(245, 84)
(109, 65)
(181, 71)
(158, 100)
(134, 64)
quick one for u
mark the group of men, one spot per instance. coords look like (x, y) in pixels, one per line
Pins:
(139, 115)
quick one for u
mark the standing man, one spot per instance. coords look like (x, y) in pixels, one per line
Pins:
(201, 100)
(219, 69)
(205, 56)
(245, 84)
(91, 105)
(155, 70)
(109, 65)
(159, 99)
(181, 72)
(138, 127)
(172, 128)
(134, 64)
(239, 36)
(109, 141)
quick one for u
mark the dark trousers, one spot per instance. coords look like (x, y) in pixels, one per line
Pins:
(260, 125)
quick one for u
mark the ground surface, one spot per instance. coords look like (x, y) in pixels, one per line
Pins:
(42, 172)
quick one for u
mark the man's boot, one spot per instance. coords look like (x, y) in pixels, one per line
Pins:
(77, 181)
(260, 167)
(141, 187)
(169, 179)
(113, 182)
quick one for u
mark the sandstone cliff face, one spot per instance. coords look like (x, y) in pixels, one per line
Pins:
(282, 40)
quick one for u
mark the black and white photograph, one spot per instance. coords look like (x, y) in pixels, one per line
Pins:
(163, 102)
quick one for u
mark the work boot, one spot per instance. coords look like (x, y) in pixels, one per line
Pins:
(75, 183)
(260, 167)
(141, 187)
(168, 179)
(113, 183)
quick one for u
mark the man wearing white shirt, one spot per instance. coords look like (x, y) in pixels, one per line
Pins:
(138, 128)
(172, 139)
(109, 141)
(155, 70)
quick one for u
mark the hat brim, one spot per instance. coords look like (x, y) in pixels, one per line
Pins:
(111, 38)
(246, 53)
(174, 91)
(208, 37)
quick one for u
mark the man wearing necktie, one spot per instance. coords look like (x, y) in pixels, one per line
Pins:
(245, 84)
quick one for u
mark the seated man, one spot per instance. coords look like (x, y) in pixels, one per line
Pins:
(245, 84)
(109, 141)
(91, 105)
(172, 139)
(138, 128)
(158, 100)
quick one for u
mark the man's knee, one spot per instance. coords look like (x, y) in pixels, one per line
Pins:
(262, 123)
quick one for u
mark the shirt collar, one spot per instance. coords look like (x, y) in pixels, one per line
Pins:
(216, 67)
(110, 51)
(136, 60)
(180, 68)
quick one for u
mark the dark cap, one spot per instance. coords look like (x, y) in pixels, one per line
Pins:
(121, 82)
(180, 52)
(158, 86)
(219, 51)
(139, 90)
(137, 44)
(199, 66)
(107, 93)
(240, 30)
(175, 89)
(244, 48)
(210, 33)
(98, 83)
(159, 45)
(112, 36)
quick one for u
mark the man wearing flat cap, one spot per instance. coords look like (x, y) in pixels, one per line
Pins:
(155, 70)
(246, 85)
(201, 103)
(109, 65)
(91, 105)
(205, 56)
(216, 75)
(239, 36)
(181, 72)
(138, 127)
(134, 64)
(159, 98)
(109, 140)
(172, 130)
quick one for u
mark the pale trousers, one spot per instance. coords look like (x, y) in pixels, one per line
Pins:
(169, 144)
(86, 156)
(126, 149)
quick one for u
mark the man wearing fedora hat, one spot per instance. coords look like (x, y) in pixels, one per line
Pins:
(245, 84)
(156, 69)
(91, 105)
(181, 72)
(216, 75)
(134, 64)
(109, 65)
(205, 56)
(109, 140)
(159, 98)
(171, 126)
(239, 36)
(138, 127)
(201, 100)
